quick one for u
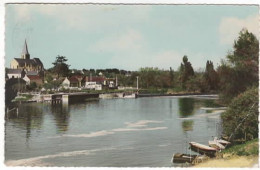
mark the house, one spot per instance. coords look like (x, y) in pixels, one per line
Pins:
(24, 62)
(15, 73)
(33, 78)
(94, 82)
(98, 80)
(74, 81)
(111, 82)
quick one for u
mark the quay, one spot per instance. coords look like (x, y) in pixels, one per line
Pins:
(59, 98)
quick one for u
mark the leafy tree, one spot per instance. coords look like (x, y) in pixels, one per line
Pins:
(171, 74)
(240, 121)
(211, 77)
(240, 71)
(195, 83)
(31, 86)
(60, 67)
(186, 71)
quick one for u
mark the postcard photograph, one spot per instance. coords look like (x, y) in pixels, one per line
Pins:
(131, 85)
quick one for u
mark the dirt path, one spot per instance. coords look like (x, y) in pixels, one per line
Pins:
(232, 161)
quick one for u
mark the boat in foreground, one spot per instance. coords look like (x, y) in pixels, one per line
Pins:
(183, 158)
(203, 149)
(186, 158)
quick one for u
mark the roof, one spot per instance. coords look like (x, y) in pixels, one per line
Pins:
(97, 79)
(14, 71)
(73, 79)
(32, 73)
(22, 61)
(78, 77)
(25, 49)
(38, 61)
(33, 77)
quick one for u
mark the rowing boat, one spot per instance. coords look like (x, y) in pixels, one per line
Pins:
(203, 149)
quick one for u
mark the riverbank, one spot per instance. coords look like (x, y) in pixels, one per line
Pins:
(237, 156)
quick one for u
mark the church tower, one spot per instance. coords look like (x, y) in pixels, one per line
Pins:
(25, 53)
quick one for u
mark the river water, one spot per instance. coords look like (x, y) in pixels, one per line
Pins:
(142, 132)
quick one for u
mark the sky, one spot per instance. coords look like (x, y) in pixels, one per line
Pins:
(126, 36)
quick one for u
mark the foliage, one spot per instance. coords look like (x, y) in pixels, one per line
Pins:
(52, 84)
(248, 148)
(31, 86)
(60, 67)
(186, 71)
(211, 77)
(154, 78)
(241, 117)
(195, 84)
(240, 71)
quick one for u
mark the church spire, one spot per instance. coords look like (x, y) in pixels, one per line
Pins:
(25, 53)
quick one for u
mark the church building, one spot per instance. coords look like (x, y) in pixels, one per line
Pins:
(25, 63)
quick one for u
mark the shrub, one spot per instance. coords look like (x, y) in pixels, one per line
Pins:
(241, 118)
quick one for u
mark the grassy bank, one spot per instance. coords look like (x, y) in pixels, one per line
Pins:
(242, 155)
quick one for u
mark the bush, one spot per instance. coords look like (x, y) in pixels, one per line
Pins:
(248, 148)
(241, 117)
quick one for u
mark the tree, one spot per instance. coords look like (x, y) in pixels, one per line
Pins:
(240, 70)
(31, 86)
(186, 71)
(211, 77)
(171, 74)
(60, 67)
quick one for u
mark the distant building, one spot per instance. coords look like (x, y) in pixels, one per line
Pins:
(15, 73)
(30, 70)
(33, 78)
(73, 81)
(26, 63)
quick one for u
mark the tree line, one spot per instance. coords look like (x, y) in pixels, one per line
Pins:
(235, 80)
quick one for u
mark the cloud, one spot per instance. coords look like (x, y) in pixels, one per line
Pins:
(131, 40)
(131, 50)
(83, 17)
(230, 27)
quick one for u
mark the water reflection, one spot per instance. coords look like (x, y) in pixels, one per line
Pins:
(186, 106)
(61, 116)
(187, 125)
(27, 117)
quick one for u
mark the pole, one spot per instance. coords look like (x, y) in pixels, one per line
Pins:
(137, 82)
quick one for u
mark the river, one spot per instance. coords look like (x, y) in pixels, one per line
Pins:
(142, 132)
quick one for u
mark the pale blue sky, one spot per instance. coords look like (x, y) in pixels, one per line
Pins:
(126, 36)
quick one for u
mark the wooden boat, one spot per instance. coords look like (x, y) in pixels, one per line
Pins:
(183, 158)
(203, 149)
(216, 144)
(221, 141)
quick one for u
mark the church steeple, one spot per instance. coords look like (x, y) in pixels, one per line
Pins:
(25, 53)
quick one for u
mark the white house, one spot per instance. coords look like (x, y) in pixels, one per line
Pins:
(15, 73)
(66, 83)
(93, 85)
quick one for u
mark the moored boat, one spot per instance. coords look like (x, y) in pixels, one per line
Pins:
(221, 141)
(203, 149)
(183, 158)
(216, 144)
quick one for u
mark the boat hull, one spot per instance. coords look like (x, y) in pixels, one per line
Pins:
(183, 158)
(203, 149)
